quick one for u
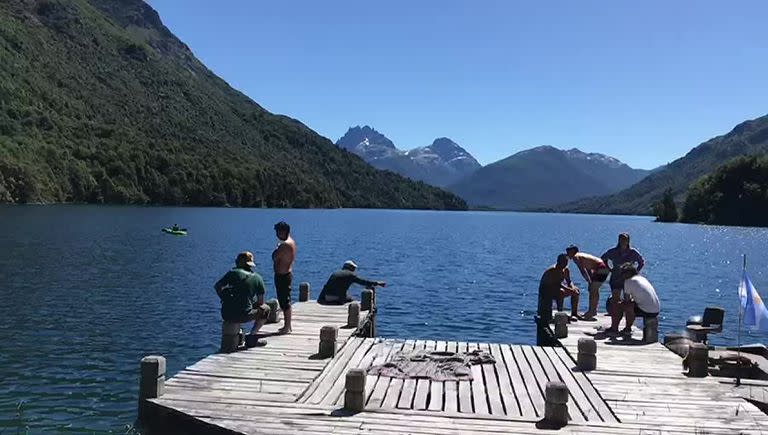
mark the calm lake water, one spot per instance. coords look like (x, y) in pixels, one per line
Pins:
(88, 291)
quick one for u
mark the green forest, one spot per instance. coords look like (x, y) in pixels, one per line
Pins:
(735, 194)
(100, 103)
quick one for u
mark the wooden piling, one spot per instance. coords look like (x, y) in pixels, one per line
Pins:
(327, 347)
(151, 380)
(366, 299)
(353, 315)
(556, 404)
(561, 324)
(586, 359)
(354, 396)
(650, 329)
(274, 311)
(697, 359)
(304, 292)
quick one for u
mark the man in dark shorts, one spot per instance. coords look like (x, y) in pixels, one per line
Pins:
(556, 285)
(594, 271)
(283, 257)
(640, 299)
(335, 290)
(241, 291)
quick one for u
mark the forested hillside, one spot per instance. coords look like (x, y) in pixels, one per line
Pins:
(100, 103)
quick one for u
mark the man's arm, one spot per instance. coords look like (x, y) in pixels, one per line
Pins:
(260, 290)
(640, 261)
(220, 284)
(367, 283)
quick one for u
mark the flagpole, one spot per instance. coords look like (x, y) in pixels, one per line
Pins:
(738, 333)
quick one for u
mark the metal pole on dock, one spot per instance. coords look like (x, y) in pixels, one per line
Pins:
(738, 333)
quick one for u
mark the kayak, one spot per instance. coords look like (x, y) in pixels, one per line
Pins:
(176, 232)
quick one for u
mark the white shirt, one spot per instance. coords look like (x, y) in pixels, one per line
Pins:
(643, 293)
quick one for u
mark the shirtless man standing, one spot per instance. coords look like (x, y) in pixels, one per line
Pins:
(594, 271)
(283, 257)
(556, 285)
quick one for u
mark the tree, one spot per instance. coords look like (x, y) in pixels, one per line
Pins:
(666, 209)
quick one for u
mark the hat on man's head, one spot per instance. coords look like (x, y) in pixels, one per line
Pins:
(246, 258)
(349, 264)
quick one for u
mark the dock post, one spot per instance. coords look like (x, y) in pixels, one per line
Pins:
(274, 311)
(230, 336)
(328, 335)
(556, 404)
(650, 329)
(304, 292)
(586, 360)
(561, 324)
(354, 396)
(151, 381)
(353, 315)
(366, 300)
(697, 359)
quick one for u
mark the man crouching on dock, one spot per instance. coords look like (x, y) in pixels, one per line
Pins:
(556, 285)
(241, 291)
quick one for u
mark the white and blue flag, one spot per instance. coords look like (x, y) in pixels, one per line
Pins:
(755, 313)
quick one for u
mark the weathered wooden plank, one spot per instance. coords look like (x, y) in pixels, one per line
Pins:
(323, 383)
(336, 389)
(491, 384)
(578, 405)
(395, 387)
(529, 380)
(436, 388)
(421, 395)
(409, 385)
(565, 365)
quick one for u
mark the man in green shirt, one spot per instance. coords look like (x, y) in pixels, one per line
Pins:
(241, 291)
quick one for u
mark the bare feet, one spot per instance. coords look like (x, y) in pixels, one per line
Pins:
(284, 331)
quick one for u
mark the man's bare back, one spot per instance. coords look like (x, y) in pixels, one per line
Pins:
(284, 255)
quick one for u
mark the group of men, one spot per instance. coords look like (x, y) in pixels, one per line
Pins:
(632, 295)
(242, 289)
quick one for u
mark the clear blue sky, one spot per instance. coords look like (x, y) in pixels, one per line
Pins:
(644, 81)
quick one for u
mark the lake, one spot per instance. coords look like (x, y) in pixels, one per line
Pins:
(90, 290)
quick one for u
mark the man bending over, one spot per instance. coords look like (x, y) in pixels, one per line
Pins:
(556, 285)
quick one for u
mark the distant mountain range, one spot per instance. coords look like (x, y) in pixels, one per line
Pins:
(545, 176)
(747, 138)
(440, 164)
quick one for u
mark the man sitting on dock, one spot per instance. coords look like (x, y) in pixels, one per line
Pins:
(335, 290)
(640, 299)
(594, 271)
(556, 285)
(241, 291)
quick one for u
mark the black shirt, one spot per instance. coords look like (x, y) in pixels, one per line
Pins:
(339, 282)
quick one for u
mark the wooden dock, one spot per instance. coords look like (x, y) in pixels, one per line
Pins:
(285, 388)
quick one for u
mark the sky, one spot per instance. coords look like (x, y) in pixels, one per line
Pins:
(641, 81)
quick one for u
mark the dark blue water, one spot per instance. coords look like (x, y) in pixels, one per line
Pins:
(88, 291)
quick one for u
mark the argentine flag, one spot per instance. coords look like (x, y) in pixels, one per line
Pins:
(755, 313)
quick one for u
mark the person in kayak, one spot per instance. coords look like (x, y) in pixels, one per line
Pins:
(594, 271)
(615, 257)
(335, 290)
(175, 227)
(283, 257)
(241, 291)
(556, 285)
(640, 299)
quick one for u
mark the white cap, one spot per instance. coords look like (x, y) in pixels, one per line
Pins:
(349, 264)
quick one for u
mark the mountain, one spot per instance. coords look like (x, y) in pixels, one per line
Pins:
(368, 144)
(746, 139)
(100, 102)
(439, 164)
(545, 176)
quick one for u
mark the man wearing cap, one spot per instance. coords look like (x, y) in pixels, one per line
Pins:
(241, 291)
(335, 290)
